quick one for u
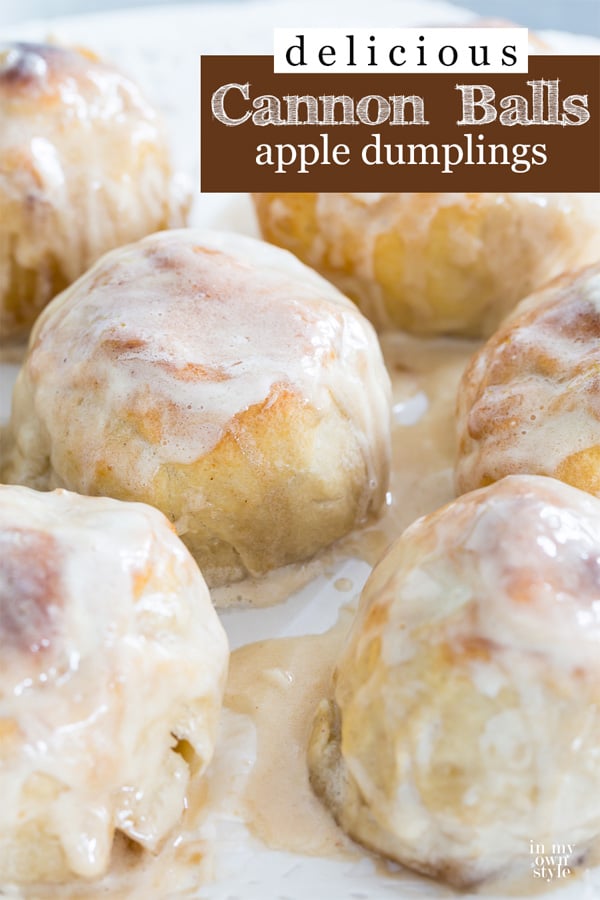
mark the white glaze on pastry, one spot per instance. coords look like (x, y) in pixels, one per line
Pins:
(463, 718)
(528, 401)
(83, 168)
(111, 655)
(193, 363)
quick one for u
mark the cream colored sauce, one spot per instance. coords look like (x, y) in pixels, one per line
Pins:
(274, 587)
(425, 375)
(279, 683)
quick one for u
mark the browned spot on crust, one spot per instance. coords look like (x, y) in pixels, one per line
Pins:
(195, 372)
(19, 63)
(141, 578)
(19, 160)
(496, 414)
(30, 589)
(23, 65)
(33, 77)
(477, 648)
(545, 362)
(576, 319)
(467, 648)
(118, 345)
(582, 469)
(86, 53)
(165, 257)
(511, 353)
(161, 258)
(373, 654)
(10, 738)
(210, 251)
(377, 616)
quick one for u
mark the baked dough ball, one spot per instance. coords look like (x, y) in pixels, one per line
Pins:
(83, 168)
(529, 400)
(435, 263)
(110, 655)
(219, 379)
(464, 720)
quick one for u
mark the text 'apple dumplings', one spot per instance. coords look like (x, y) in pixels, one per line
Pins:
(219, 379)
(84, 167)
(111, 656)
(529, 400)
(435, 263)
(464, 718)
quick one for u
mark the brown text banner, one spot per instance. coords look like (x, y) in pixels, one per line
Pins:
(262, 131)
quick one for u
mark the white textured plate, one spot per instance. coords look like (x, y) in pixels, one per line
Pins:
(161, 47)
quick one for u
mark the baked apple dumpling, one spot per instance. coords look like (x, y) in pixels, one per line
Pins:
(529, 401)
(435, 263)
(84, 168)
(219, 379)
(464, 719)
(111, 655)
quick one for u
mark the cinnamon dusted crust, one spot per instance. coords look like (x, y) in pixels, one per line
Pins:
(528, 401)
(220, 380)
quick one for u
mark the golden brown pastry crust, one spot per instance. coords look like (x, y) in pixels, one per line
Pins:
(219, 379)
(84, 168)
(528, 401)
(435, 263)
(463, 713)
(111, 655)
